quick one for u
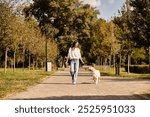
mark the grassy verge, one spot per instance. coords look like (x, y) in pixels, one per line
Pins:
(61, 69)
(17, 81)
(111, 72)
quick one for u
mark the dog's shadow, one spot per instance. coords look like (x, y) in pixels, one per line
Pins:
(86, 83)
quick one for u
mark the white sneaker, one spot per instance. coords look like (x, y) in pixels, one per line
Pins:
(74, 83)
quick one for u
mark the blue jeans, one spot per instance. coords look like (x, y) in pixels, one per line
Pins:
(74, 67)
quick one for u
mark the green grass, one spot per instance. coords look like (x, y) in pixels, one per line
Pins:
(61, 69)
(13, 82)
(111, 72)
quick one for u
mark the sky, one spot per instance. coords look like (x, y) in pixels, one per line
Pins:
(107, 8)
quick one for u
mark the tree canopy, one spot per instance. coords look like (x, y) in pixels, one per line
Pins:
(140, 17)
(24, 30)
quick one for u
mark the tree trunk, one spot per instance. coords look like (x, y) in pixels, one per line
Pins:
(129, 61)
(105, 62)
(14, 61)
(33, 63)
(6, 51)
(110, 59)
(149, 57)
(43, 64)
(114, 61)
(23, 57)
(101, 61)
(29, 61)
(46, 59)
(63, 62)
(120, 62)
(36, 62)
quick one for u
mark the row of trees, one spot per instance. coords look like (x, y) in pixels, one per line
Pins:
(76, 21)
(23, 33)
(21, 41)
(133, 31)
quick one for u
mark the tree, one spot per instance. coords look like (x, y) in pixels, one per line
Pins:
(72, 21)
(85, 24)
(140, 23)
(139, 56)
(36, 44)
(15, 38)
(22, 39)
(104, 43)
(124, 34)
(6, 16)
(140, 17)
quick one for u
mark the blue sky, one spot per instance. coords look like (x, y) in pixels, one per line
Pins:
(108, 8)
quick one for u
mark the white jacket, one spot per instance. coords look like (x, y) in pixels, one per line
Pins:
(74, 53)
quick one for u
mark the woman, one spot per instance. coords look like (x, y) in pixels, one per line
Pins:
(74, 55)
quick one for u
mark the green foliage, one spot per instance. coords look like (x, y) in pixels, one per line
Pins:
(22, 38)
(139, 56)
(132, 31)
(123, 32)
(61, 22)
(140, 22)
(72, 20)
(6, 18)
(104, 42)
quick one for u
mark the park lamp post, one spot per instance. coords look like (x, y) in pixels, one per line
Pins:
(46, 48)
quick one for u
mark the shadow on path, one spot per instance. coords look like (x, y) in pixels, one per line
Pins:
(108, 97)
(80, 74)
(126, 79)
(65, 83)
(107, 74)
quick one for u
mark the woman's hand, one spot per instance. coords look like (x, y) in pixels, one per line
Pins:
(66, 62)
(82, 61)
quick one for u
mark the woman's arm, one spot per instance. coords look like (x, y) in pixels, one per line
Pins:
(67, 56)
(82, 60)
(67, 60)
(79, 53)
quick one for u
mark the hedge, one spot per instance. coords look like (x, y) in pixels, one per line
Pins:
(142, 69)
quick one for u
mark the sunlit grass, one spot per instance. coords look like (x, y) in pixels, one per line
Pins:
(19, 80)
(111, 72)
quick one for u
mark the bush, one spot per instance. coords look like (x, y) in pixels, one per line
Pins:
(142, 69)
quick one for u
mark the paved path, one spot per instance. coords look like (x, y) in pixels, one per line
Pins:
(59, 87)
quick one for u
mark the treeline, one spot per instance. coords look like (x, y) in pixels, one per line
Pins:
(21, 41)
(76, 21)
(133, 31)
(24, 31)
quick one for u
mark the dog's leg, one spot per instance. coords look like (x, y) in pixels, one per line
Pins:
(93, 79)
(96, 81)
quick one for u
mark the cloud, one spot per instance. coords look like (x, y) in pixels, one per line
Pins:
(111, 1)
(93, 3)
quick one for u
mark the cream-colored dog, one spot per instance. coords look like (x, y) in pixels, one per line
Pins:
(96, 75)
